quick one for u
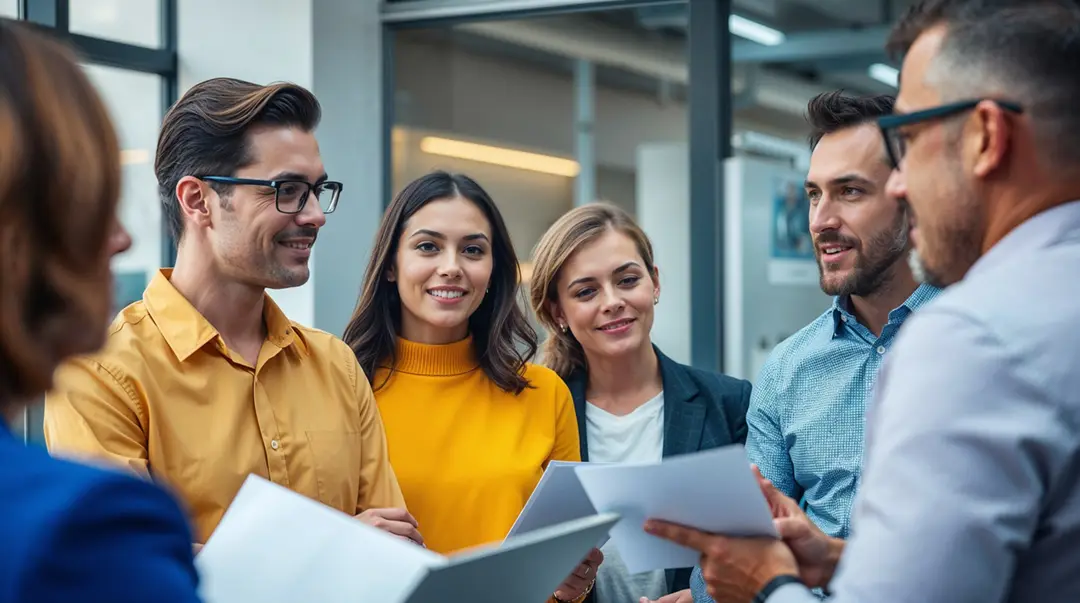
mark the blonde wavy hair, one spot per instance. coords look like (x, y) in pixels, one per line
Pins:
(561, 351)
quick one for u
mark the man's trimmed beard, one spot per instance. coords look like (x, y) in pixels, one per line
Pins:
(875, 259)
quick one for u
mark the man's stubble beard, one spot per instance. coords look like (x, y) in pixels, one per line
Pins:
(876, 260)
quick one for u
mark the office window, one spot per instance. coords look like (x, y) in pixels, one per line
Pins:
(9, 9)
(131, 21)
(135, 103)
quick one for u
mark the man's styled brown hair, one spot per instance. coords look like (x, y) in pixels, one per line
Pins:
(831, 112)
(59, 189)
(205, 132)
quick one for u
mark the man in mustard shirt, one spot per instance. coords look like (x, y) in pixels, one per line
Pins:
(205, 381)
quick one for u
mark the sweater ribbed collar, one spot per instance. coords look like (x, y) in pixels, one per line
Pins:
(436, 360)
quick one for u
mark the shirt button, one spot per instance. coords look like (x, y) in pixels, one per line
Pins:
(881, 349)
(274, 444)
(843, 318)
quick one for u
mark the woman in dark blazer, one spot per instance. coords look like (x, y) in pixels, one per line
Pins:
(594, 287)
(68, 532)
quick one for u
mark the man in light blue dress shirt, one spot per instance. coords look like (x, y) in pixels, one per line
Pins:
(806, 415)
(808, 406)
(971, 481)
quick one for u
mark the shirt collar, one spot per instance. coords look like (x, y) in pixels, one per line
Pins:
(186, 330)
(841, 308)
(1040, 230)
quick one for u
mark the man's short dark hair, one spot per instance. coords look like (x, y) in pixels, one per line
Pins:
(834, 111)
(1025, 51)
(205, 132)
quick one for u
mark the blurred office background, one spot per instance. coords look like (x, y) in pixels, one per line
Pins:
(688, 113)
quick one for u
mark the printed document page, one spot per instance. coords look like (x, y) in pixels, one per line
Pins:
(715, 491)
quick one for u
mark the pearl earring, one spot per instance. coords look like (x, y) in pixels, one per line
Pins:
(656, 299)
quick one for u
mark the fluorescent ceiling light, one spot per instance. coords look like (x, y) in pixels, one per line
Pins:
(754, 31)
(134, 156)
(885, 74)
(521, 160)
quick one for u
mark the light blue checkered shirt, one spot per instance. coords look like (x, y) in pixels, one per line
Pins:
(807, 412)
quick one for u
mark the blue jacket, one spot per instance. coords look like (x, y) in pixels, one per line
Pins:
(70, 532)
(702, 410)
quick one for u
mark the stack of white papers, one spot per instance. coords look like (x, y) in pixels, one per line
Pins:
(276, 546)
(558, 497)
(714, 491)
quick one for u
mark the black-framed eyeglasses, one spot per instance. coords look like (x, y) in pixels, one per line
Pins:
(291, 195)
(890, 125)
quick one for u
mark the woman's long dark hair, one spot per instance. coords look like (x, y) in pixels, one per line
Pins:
(498, 327)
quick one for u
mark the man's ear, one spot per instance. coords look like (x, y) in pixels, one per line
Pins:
(992, 138)
(193, 196)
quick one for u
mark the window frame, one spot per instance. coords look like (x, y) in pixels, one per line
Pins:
(53, 16)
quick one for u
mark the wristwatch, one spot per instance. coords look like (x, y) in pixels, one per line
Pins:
(764, 594)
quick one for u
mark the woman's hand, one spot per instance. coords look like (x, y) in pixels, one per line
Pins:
(581, 580)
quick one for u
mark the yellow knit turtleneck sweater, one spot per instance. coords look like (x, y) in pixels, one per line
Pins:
(467, 454)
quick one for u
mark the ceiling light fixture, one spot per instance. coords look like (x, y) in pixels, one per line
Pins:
(754, 31)
(885, 74)
(522, 160)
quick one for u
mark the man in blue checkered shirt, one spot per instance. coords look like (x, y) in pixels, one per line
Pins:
(808, 405)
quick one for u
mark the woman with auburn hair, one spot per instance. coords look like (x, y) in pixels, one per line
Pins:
(594, 288)
(470, 424)
(69, 532)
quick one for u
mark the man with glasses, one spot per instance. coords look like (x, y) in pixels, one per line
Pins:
(205, 381)
(971, 488)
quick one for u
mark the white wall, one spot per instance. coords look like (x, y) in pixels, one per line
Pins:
(663, 212)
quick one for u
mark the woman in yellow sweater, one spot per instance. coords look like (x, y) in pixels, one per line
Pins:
(470, 424)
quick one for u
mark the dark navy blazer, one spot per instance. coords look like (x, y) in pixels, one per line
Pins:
(71, 533)
(702, 410)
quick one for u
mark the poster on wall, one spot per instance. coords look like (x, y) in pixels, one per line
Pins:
(791, 257)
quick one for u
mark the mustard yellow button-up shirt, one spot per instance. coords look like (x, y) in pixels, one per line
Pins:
(166, 399)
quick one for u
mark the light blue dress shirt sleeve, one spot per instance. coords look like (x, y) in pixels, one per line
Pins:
(962, 446)
(765, 445)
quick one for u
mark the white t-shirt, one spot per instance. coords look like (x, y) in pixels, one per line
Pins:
(637, 437)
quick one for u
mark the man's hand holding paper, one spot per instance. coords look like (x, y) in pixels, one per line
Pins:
(398, 522)
(713, 491)
(736, 569)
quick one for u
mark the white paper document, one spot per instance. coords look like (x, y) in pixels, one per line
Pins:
(713, 491)
(558, 497)
(276, 546)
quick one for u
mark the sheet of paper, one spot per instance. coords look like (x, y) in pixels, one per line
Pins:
(276, 546)
(714, 491)
(524, 568)
(558, 497)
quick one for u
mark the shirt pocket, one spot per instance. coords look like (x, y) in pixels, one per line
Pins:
(337, 460)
